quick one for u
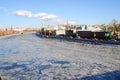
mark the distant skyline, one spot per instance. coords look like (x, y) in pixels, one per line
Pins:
(32, 13)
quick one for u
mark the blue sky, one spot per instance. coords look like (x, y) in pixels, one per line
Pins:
(34, 12)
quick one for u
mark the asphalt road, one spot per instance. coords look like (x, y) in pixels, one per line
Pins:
(28, 57)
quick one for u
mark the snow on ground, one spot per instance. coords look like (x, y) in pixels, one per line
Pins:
(27, 57)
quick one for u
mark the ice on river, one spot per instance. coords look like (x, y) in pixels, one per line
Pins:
(28, 57)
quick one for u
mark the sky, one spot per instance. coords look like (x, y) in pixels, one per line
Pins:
(27, 13)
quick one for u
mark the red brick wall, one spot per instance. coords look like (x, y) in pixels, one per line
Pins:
(6, 31)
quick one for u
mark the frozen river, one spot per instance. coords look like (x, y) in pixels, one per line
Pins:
(28, 57)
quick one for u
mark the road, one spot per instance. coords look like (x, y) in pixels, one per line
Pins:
(28, 57)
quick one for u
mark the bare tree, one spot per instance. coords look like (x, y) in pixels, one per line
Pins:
(114, 26)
